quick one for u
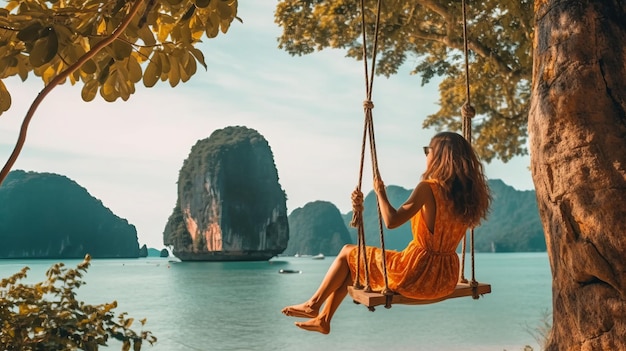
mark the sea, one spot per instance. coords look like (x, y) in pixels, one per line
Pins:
(237, 305)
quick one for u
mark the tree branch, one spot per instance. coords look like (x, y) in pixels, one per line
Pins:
(440, 10)
(473, 44)
(58, 80)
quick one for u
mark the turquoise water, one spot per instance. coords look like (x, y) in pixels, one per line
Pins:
(236, 305)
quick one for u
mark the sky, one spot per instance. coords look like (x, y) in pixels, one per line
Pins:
(309, 109)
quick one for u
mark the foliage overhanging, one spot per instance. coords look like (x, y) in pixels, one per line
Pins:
(430, 33)
(47, 37)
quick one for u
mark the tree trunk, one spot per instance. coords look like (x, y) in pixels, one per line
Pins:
(577, 134)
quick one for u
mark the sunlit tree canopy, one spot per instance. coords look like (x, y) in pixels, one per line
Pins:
(429, 35)
(46, 37)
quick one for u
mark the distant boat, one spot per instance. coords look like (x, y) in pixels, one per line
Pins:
(285, 271)
(319, 256)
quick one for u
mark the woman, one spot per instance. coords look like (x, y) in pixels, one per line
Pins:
(452, 197)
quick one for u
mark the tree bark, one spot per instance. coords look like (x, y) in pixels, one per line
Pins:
(577, 135)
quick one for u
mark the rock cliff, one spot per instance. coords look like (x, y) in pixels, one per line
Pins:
(45, 215)
(230, 203)
(317, 228)
(513, 224)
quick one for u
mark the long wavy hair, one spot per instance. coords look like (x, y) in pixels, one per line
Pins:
(456, 167)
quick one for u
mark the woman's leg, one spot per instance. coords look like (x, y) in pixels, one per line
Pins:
(336, 276)
(321, 323)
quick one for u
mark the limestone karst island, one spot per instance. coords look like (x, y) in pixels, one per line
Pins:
(230, 204)
(230, 207)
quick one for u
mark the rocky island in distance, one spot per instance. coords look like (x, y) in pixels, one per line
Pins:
(230, 204)
(71, 223)
(49, 216)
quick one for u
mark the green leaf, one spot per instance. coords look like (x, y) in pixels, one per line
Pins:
(5, 98)
(197, 53)
(147, 36)
(23, 68)
(30, 32)
(104, 74)
(45, 49)
(64, 34)
(165, 62)
(189, 68)
(75, 76)
(88, 93)
(224, 25)
(152, 72)
(225, 8)
(89, 67)
(137, 345)
(121, 49)
(123, 86)
(8, 61)
(185, 35)
(108, 91)
(174, 75)
(202, 3)
(134, 69)
(212, 25)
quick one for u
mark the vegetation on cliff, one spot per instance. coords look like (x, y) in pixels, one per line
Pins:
(229, 197)
(396, 239)
(317, 228)
(513, 224)
(45, 215)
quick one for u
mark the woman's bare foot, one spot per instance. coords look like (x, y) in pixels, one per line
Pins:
(315, 324)
(303, 310)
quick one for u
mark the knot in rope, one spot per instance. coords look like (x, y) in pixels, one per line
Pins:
(368, 104)
(468, 111)
(474, 285)
(357, 208)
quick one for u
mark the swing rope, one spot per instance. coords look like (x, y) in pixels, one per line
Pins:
(467, 112)
(368, 135)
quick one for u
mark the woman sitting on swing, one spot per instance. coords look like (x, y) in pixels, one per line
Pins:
(452, 197)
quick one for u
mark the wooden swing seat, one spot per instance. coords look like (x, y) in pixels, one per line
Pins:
(371, 299)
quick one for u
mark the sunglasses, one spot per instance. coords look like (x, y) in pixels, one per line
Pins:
(427, 150)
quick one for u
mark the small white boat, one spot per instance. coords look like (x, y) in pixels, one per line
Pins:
(319, 256)
(289, 271)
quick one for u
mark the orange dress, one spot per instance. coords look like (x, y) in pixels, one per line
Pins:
(428, 268)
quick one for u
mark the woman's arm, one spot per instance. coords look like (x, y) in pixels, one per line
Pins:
(421, 195)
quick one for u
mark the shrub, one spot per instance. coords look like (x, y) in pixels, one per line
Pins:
(47, 316)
